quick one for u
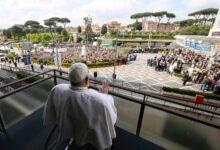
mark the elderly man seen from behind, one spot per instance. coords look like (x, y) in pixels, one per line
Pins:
(81, 114)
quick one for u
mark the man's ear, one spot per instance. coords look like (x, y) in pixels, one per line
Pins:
(87, 80)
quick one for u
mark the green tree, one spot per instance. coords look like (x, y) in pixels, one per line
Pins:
(79, 29)
(88, 29)
(65, 35)
(159, 16)
(104, 29)
(146, 15)
(32, 26)
(170, 16)
(136, 26)
(64, 21)
(18, 31)
(136, 16)
(52, 23)
(31, 23)
(7, 33)
(204, 15)
(185, 23)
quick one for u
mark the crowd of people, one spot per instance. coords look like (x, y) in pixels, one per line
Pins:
(192, 66)
(89, 53)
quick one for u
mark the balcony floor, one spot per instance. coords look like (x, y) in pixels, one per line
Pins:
(30, 134)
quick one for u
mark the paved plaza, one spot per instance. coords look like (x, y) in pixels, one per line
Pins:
(139, 72)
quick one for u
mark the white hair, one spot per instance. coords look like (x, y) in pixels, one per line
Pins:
(77, 73)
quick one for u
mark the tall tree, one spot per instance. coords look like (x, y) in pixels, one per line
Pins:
(136, 16)
(50, 24)
(104, 29)
(64, 21)
(204, 15)
(31, 23)
(7, 33)
(79, 29)
(146, 15)
(18, 30)
(32, 26)
(159, 16)
(88, 28)
(170, 16)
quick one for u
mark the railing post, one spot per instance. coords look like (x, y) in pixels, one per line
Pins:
(55, 77)
(2, 125)
(140, 118)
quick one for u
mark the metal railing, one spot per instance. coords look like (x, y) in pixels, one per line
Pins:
(127, 86)
(53, 74)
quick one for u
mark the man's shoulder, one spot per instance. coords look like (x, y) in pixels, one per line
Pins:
(61, 87)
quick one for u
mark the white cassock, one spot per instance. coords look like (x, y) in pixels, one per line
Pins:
(83, 114)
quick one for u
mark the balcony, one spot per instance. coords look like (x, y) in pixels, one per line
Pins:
(146, 120)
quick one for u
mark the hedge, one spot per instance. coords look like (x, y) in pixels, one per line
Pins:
(92, 65)
(100, 64)
(145, 36)
(191, 93)
(23, 74)
(66, 65)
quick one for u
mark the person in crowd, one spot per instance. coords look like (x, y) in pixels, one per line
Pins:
(217, 87)
(41, 67)
(32, 67)
(15, 63)
(186, 78)
(85, 116)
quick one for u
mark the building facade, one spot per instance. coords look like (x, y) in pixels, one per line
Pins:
(113, 25)
(96, 28)
(151, 26)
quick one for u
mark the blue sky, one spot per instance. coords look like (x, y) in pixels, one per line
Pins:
(102, 11)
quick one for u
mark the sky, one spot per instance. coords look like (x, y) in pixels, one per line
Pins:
(102, 11)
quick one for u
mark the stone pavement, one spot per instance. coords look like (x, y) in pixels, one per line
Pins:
(139, 72)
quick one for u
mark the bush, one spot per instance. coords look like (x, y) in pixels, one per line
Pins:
(79, 39)
(191, 93)
(45, 60)
(23, 74)
(66, 65)
(194, 30)
(177, 70)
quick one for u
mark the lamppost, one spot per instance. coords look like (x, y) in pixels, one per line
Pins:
(115, 48)
(149, 40)
(88, 23)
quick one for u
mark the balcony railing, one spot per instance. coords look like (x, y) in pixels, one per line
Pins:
(161, 119)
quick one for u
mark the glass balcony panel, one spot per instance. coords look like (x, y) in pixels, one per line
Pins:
(128, 113)
(19, 105)
(173, 132)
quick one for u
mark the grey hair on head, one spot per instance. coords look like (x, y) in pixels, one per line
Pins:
(78, 73)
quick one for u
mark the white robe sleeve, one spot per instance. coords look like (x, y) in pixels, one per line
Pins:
(112, 109)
